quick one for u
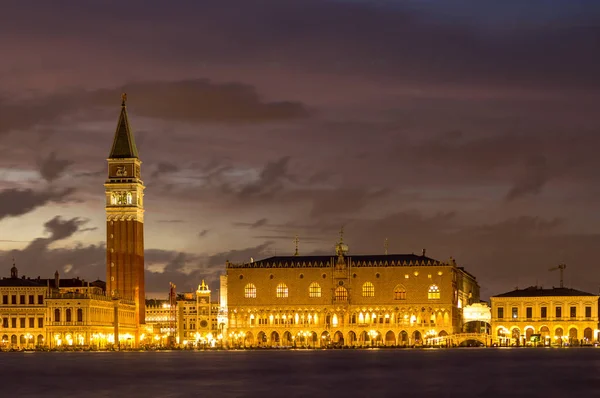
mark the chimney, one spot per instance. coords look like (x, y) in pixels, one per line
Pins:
(56, 280)
(423, 253)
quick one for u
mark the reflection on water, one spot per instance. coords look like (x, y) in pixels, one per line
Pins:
(305, 373)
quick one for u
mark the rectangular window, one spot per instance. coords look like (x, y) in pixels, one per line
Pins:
(515, 312)
(22, 299)
(40, 323)
(13, 299)
(41, 299)
(5, 299)
(573, 312)
(5, 323)
(558, 312)
(588, 312)
(31, 299)
(14, 323)
(31, 322)
(22, 322)
(500, 313)
(529, 312)
(544, 312)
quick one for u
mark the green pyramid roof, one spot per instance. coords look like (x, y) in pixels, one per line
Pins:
(123, 144)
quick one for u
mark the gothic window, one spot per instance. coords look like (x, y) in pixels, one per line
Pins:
(433, 293)
(399, 293)
(250, 291)
(341, 294)
(368, 290)
(314, 290)
(282, 290)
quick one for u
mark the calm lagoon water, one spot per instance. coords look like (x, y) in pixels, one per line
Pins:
(424, 373)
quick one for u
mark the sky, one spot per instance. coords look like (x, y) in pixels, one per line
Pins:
(464, 128)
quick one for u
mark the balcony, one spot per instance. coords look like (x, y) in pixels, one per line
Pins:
(546, 319)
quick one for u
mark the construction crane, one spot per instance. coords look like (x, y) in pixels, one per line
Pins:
(560, 267)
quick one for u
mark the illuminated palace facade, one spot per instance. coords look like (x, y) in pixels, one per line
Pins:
(360, 300)
(554, 316)
(62, 312)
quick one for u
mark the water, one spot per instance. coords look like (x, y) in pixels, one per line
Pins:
(305, 373)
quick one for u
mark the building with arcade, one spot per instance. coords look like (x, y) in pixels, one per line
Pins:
(555, 316)
(346, 300)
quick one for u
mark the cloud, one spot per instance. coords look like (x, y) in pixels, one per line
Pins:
(16, 202)
(203, 233)
(52, 168)
(270, 179)
(343, 201)
(417, 42)
(257, 224)
(175, 221)
(190, 101)
(532, 179)
(184, 269)
(164, 168)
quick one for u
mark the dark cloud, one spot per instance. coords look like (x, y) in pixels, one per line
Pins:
(16, 202)
(164, 168)
(343, 201)
(199, 101)
(239, 255)
(414, 42)
(503, 254)
(203, 233)
(532, 180)
(184, 269)
(271, 178)
(61, 229)
(252, 225)
(52, 168)
(175, 221)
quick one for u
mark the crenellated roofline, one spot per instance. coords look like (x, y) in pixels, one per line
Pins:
(397, 260)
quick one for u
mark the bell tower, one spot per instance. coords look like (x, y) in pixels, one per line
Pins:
(125, 218)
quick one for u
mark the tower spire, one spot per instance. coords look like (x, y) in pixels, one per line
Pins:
(123, 144)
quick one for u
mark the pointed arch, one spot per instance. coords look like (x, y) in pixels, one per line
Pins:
(433, 293)
(403, 337)
(399, 292)
(282, 291)
(250, 291)
(314, 290)
(351, 338)
(341, 294)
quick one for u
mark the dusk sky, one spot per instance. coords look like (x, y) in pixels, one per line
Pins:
(468, 129)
